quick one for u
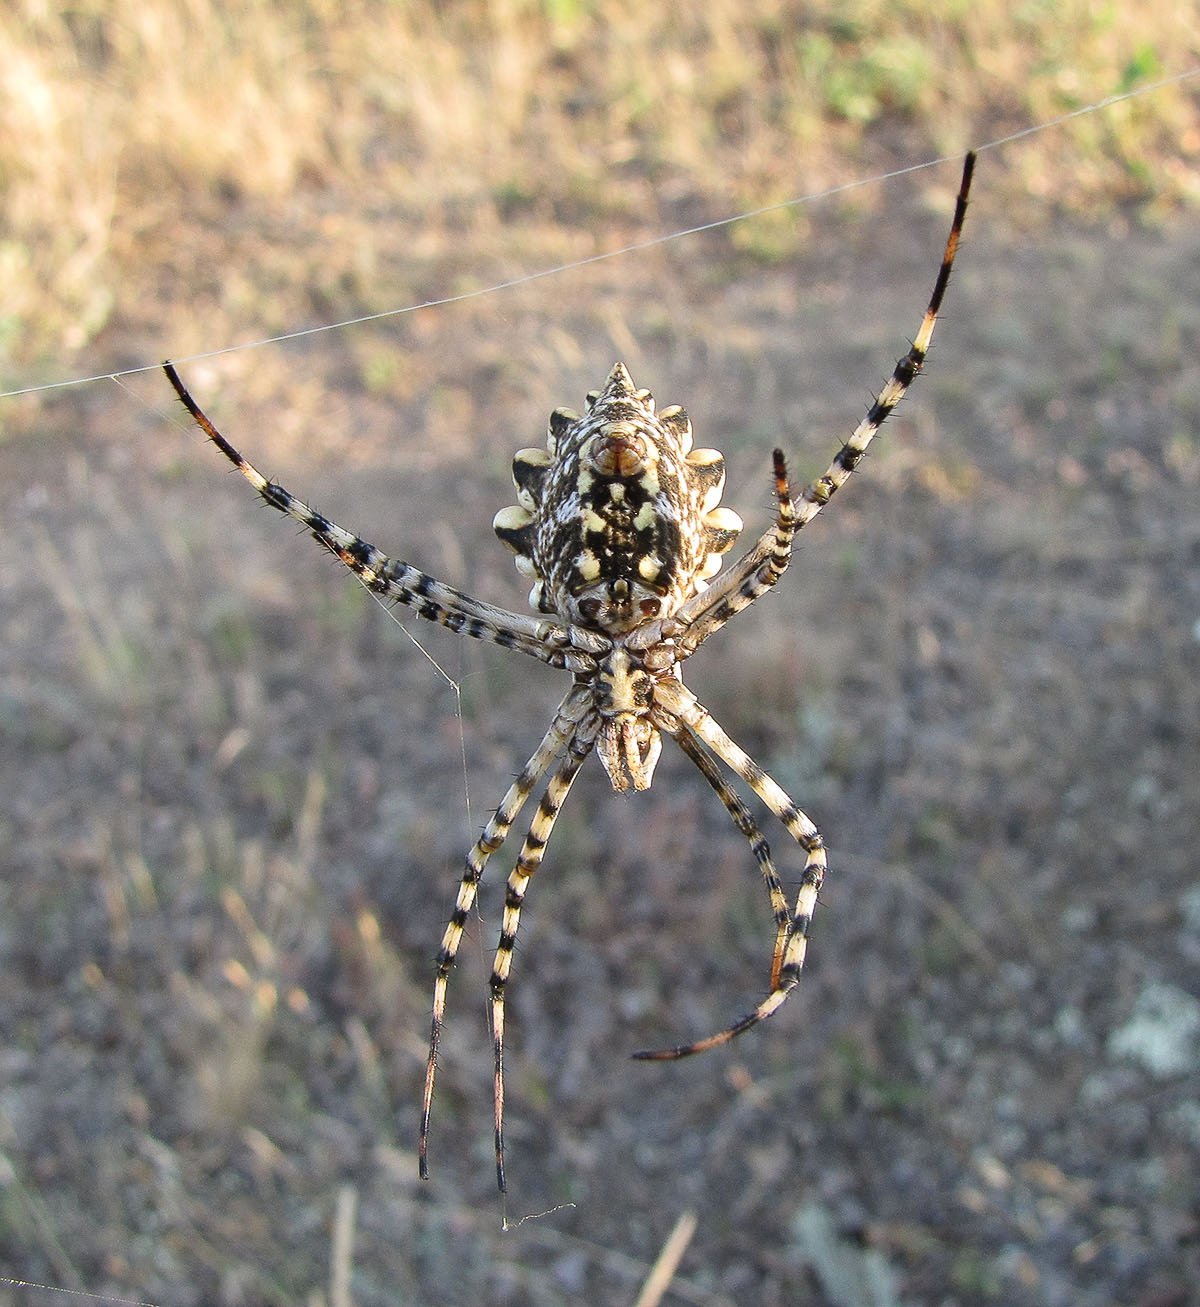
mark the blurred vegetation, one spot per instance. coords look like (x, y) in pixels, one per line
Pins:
(318, 124)
(235, 806)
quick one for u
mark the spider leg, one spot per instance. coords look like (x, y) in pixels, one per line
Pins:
(528, 861)
(742, 584)
(563, 729)
(393, 579)
(680, 703)
(743, 819)
(771, 554)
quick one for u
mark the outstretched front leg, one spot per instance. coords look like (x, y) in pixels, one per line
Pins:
(689, 714)
(392, 579)
(750, 575)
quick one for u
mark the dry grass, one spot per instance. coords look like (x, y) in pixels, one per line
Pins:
(554, 117)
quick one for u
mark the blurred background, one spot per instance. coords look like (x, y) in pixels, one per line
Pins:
(235, 795)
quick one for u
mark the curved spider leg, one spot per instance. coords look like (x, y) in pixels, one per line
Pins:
(678, 701)
(528, 861)
(393, 579)
(771, 554)
(563, 729)
(743, 819)
(740, 586)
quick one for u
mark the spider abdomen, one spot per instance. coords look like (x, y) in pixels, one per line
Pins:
(617, 520)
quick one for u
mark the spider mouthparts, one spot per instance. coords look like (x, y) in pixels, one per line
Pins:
(629, 746)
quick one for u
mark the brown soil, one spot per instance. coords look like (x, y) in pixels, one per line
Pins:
(233, 817)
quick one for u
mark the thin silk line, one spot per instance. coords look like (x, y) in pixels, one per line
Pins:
(635, 247)
(76, 1293)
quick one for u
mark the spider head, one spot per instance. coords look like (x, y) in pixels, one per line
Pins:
(629, 747)
(629, 743)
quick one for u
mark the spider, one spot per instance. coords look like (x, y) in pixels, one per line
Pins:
(618, 525)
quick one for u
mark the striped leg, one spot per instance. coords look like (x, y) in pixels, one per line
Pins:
(817, 495)
(682, 704)
(744, 821)
(390, 578)
(562, 731)
(528, 861)
(740, 585)
(771, 554)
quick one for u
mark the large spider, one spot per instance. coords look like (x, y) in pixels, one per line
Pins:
(618, 525)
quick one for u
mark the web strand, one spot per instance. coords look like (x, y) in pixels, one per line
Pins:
(77, 1293)
(624, 251)
(455, 686)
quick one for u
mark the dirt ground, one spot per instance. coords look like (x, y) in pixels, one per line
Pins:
(235, 798)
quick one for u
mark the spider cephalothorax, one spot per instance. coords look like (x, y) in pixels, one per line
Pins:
(618, 524)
